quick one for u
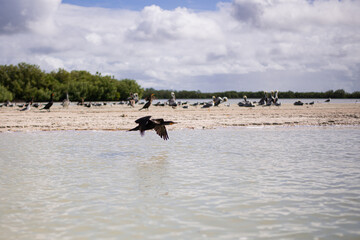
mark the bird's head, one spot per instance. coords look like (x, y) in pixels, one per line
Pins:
(170, 123)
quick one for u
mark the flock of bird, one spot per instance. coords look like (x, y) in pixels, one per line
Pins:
(148, 123)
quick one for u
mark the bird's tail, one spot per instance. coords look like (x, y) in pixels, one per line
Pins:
(134, 129)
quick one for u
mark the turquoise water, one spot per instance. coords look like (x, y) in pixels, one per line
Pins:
(233, 183)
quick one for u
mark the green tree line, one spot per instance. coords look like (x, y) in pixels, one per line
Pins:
(25, 81)
(166, 94)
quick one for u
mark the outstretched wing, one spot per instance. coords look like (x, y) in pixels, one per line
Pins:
(158, 120)
(142, 124)
(143, 120)
(161, 131)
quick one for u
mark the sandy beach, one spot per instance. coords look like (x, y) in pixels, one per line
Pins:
(122, 117)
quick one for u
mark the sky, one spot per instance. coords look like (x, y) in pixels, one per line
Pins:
(206, 45)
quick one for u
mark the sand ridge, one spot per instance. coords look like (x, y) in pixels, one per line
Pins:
(122, 117)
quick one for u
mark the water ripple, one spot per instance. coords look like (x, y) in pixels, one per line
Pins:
(278, 183)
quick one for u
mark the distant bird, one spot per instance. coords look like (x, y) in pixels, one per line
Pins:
(246, 103)
(36, 105)
(298, 103)
(217, 101)
(66, 101)
(276, 99)
(271, 99)
(327, 100)
(172, 100)
(148, 103)
(195, 104)
(81, 102)
(28, 106)
(133, 99)
(136, 97)
(263, 100)
(49, 104)
(209, 104)
(146, 123)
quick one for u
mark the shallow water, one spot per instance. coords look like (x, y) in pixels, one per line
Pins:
(234, 183)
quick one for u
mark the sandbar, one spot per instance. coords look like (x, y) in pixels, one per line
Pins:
(122, 117)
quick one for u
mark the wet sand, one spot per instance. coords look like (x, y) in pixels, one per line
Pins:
(122, 117)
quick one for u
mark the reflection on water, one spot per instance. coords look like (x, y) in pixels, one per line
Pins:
(241, 183)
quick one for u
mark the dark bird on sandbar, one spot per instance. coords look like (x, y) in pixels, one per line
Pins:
(148, 103)
(146, 123)
(49, 104)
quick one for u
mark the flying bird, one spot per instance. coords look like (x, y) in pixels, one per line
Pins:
(146, 123)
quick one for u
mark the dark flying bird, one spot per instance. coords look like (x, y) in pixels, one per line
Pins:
(50, 103)
(145, 123)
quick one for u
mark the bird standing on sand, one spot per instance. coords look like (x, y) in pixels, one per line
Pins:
(49, 104)
(276, 99)
(146, 123)
(133, 99)
(209, 104)
(217, 101)
(66, 101)
(28, 106)
(270, 100)
(172, 100)
(264, 99)
(148, 103)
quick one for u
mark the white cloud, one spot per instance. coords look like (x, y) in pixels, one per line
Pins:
(22, 15)
(245, 45)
